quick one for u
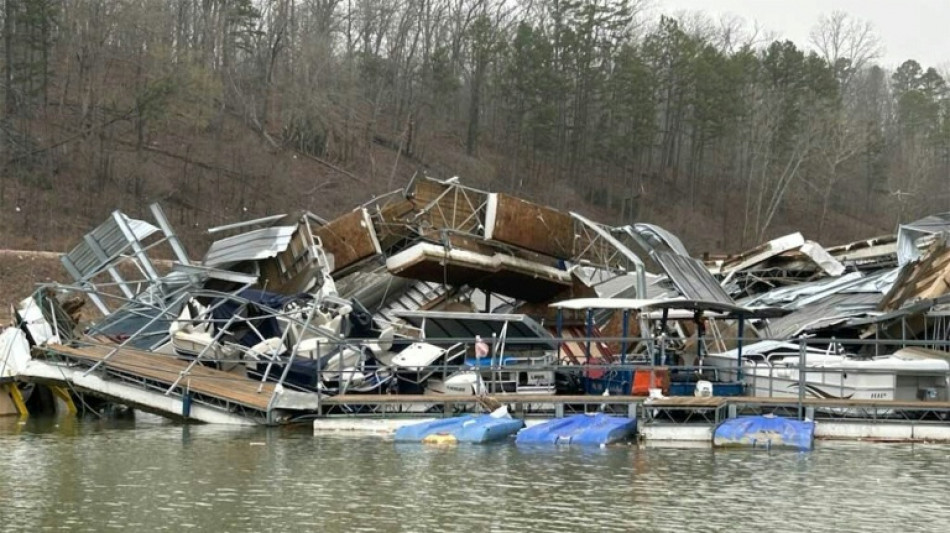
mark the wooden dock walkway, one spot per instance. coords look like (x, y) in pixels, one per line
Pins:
(166, 385)
(165, 370)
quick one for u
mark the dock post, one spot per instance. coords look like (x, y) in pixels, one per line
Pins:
(732, 410)
(186, 404)
(739, 348)
(632, 411)
(802, 350)
(559, 410)
(16, 398)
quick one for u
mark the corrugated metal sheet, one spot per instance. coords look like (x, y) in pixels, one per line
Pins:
(835, 308)
(655, 235)
(85, 260)
(691, 278)
(251, 246)
(761, 253)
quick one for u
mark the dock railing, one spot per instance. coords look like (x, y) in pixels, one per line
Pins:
(799, 381)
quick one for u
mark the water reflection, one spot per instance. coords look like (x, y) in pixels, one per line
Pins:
(150, 475)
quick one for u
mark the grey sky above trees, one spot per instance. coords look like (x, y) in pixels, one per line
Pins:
(909, 29)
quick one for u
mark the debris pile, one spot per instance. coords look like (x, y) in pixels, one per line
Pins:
(436, 287)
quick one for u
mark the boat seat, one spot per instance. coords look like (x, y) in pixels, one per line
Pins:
(385, 341)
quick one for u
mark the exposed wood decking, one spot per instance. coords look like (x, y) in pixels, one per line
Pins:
(166, 369)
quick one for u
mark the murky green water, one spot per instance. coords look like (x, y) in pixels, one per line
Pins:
(150, 476)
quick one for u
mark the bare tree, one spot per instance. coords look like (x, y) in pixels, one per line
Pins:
(846, 43)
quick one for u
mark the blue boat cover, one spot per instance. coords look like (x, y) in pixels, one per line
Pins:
(471, 428)
(594, 430)
(720, 388)
(766, 432)
(487, 361)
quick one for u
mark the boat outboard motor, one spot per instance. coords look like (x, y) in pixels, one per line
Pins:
(704, 389)
(360, 322)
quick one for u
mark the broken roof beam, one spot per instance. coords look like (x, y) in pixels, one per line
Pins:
(263, 221)
(480, 266)
(177, 247)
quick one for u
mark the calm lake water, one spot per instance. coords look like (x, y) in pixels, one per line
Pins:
(152, 476)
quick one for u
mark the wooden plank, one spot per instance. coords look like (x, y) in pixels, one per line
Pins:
(166, 369)
(350, 238)
(528, 225)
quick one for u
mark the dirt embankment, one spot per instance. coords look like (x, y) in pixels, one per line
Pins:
(20, 271)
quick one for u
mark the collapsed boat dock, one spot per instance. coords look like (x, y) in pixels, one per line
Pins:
(441, 299)
(166, 386)
(185, 392)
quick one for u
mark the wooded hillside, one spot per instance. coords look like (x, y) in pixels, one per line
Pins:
(229, 109)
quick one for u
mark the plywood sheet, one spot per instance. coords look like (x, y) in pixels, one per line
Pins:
(528, 225)
(350, 238)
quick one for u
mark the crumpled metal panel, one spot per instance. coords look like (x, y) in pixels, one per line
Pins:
(691, 278)
(251, 246)
(834, 308)
(86, 261)
(908, 234)
(654, 235)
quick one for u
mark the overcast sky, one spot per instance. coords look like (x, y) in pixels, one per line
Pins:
(909, 29)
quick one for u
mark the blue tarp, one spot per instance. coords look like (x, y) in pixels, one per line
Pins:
(766, 432)
(488, 361)
(471, 428)
(589, 430)
(720, 388)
